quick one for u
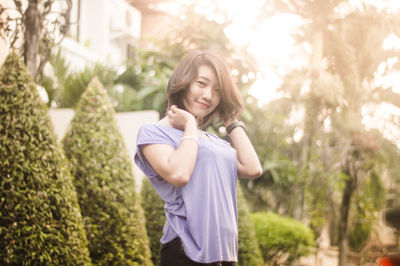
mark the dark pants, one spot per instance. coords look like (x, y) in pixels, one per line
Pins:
(172, 254)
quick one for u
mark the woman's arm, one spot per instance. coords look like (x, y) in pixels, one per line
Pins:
(248, 164)
(175, 166)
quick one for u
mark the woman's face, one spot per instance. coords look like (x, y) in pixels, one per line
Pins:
(203, 95)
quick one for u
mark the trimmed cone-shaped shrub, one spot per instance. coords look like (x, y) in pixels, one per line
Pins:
(282, 240)
(153, 207)
(249, 251)
(100, 163)
(40, 220)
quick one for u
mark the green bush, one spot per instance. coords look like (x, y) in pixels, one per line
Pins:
(153, 207)
(282, 240)
(249, 251)
(102, 168)
(40, 220)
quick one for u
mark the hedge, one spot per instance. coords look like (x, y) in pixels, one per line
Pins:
(282, 240)
(153, 207)
(249, 251)
(102, 168)
(40, 220)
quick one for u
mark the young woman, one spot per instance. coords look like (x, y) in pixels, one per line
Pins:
(195, 172)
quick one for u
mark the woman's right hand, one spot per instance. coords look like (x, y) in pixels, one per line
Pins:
(180, 118)
(175, 165)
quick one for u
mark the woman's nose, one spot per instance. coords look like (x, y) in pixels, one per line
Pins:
(207, 93)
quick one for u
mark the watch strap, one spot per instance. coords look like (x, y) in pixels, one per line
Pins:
(234, 125)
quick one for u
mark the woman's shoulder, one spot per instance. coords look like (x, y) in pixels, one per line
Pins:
(156, 130)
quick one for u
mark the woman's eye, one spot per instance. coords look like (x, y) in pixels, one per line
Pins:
(217, 90)
(201, 83)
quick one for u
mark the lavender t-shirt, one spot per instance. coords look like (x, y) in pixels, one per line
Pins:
(203, 213)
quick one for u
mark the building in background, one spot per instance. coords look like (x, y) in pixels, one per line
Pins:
(154, 21)
(102, 31)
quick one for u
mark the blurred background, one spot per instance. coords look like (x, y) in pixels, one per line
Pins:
(320, 81)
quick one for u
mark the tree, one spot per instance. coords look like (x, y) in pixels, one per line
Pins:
(102, 169)
(40, 30)
(332, 90)
(40, 220)
(153, 207)
(355, 65)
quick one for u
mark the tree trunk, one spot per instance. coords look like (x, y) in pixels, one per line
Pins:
(33, 29)
(344, 216)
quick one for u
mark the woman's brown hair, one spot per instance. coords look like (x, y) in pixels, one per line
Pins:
(187, 71)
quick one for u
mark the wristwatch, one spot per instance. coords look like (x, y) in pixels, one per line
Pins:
(234, 125)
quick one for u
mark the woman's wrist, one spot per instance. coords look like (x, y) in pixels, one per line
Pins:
(191, 131)
(191, 124)
(230, 121)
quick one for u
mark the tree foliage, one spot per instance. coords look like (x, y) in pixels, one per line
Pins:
(144, 82)
(100, 163)
(67, 85)
(40, 220)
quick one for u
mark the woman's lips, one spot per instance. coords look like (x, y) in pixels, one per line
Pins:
(203, 105)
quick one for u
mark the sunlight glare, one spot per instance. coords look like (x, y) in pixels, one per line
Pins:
(241, 11)
(272, 41)
(392, 42)
(272, 44)
(265, 89)
(383, 118)
(390, 6)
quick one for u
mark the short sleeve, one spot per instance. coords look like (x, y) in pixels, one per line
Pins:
(150, 133)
